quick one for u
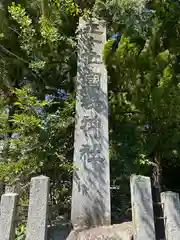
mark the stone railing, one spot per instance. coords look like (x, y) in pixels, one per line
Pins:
(142, 211)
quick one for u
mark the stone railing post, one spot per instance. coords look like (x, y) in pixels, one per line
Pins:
(171, 206)
(142, 208)
(38, 209)
(8, 215)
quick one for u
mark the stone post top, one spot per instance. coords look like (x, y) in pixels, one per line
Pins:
(87, 20)
(10, 195)
(138, 176)
(40, 178)
(169, 193)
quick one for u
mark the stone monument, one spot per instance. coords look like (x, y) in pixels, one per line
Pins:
(91, 179)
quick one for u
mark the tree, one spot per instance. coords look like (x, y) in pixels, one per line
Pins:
(144, 85)
(38, 67)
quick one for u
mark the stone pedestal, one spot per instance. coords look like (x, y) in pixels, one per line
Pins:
(121, 231)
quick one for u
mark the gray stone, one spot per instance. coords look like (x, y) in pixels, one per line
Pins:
(171, 205)
(122, 231)
(91, 180)
(73, 235)
(8, 215)
(38, 209)
(142, 208)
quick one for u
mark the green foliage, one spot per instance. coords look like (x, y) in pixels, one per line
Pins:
(20, 233)
(37, 131)
(145, 91)
(39, 48)
(27, 32)
(122, 6)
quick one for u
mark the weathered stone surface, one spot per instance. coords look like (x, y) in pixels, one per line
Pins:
(73, 235)
(8, 214)
(91, 183)
(38, 207)
(142, 208)
(122, 231)
(171, 206)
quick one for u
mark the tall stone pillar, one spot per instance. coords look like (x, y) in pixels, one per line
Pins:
(91, 180)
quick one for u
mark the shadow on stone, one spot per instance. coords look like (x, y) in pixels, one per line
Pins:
(91, 183)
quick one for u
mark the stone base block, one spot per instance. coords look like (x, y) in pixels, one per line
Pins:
(123, 231)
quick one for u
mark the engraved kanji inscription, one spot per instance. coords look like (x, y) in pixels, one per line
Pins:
(91, 126)
(91, 153)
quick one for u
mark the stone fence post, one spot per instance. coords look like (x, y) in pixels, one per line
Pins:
(142, 208)
(38, 209)
(171, 205)
(8, 215)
